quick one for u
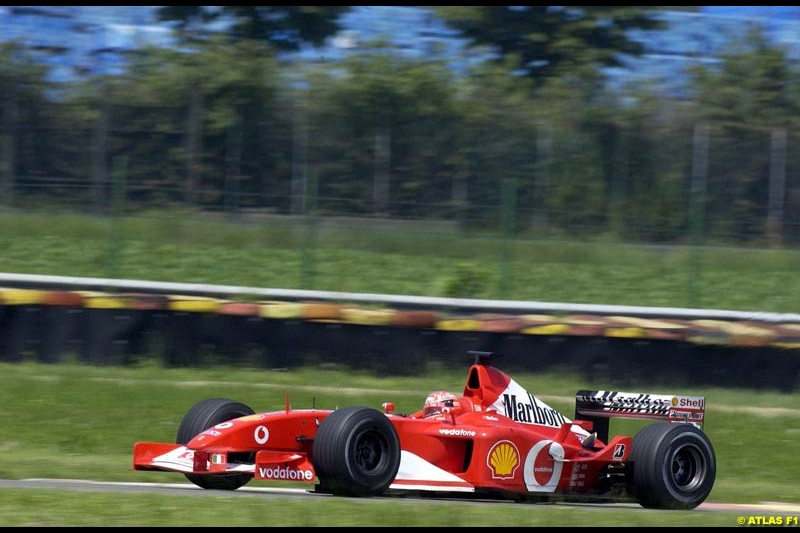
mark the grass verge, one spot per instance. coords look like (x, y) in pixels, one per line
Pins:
(75, 421)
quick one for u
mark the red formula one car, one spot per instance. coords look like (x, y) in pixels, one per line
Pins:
(496, 439)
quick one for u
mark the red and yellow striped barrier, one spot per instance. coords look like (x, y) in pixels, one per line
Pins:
(745, 333)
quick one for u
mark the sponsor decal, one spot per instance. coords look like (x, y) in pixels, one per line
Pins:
(182, 457)
(619, 452)
(635, 399)
(261, 435)
(251, 418)
(614, 401)
(528, 411)
(679, 416)
(688, 415)
(693, 402)
(286, 473)
(543, 466)
(490, 418)
(578, 478)
(185, 454)
(224, 425)
(212, 433)
(503, 460)
(217, 458)
(457, 432)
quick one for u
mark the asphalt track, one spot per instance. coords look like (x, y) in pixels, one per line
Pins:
(78, 485)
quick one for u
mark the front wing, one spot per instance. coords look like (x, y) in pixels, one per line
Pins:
(284, 466)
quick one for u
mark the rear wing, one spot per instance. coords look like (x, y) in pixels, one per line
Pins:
(600, 406)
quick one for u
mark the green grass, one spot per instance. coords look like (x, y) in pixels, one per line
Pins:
(26, 507)
(74, 421)
(396, 257)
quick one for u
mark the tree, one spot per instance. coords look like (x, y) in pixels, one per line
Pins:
(546, 40)
(22, 117)
(748, 98)
(208, 110)
(285, 27)
(383, 132)
(752, 86)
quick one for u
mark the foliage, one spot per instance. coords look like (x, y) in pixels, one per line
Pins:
(548, 41)
(752, 85)
(222, 124)
(466, 281)
(283, 27)
(747, 98)
(23, 115)
(374, 98)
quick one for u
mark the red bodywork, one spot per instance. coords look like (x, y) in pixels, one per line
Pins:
(496, 436)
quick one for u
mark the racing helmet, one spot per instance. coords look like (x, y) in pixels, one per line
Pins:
(436, 402)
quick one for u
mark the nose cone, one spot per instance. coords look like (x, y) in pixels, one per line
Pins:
(245, 433)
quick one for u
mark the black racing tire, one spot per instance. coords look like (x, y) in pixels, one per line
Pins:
(202, 416)
(356, 452)
(673, 466)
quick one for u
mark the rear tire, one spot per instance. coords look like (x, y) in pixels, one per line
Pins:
(673, 466)
(202, 416)
(356, 452)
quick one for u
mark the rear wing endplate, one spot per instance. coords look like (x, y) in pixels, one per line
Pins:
(600, 406)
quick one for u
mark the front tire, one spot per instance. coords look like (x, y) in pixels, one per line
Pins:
(202, 416)
(356, 452)
(673, 466)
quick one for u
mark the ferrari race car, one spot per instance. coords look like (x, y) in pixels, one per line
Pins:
(496, 439)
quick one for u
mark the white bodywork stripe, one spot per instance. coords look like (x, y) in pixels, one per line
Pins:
(416, 473)
(181, 460)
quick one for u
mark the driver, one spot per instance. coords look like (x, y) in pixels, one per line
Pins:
(437, 402)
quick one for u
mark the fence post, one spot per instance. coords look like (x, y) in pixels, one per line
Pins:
(299, 150)
(507, 217)
(309, 232)
(383, 163)
(100, 151)
(194, 142)
(697, 208)
(233, 168)
(541, 180)
(119, 186)
(10, 129)
(777, 186)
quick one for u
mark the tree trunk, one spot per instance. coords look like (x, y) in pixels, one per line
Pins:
(383, 159)
(299, 154)
(194, 141)
(777, 187)
(100, 156)
(10, 119)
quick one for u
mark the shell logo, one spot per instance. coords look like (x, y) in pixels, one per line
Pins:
(674, 402)
(503, 460)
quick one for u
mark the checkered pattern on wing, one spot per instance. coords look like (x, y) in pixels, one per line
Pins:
(616, 402)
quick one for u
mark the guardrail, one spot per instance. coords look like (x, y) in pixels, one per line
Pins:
(108, 321)
(403, 301)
